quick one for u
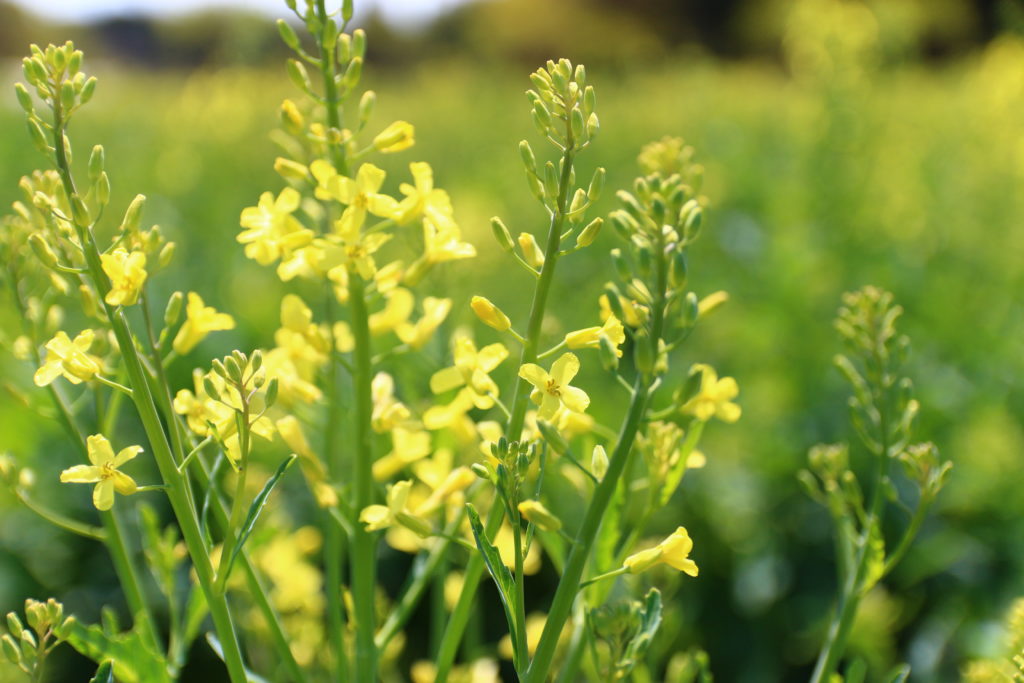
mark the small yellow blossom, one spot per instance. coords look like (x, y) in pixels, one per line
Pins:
(271, 231)
(103, 471)
(417, 334)
(388, 412)
(714, 399)
(200, 321)
(673, 551)
(472, 369)
(453, 416)
(634, 314)
(69, 358)
(408, 446)
(457, 480)
(398, 306)
(422, 198)
(553, 389)
(490, 314)
(712, 301)
(360, 195)
(127, 273)
(377, 517)
(590, 337)
(442, 241)
(397, 137)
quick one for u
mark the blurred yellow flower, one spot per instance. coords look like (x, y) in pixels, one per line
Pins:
(103, 471)
(127, 273)
(200, 321)
(399, 136)
(68, 358)
(271, 231)
(472, 368)
(552, 391)
(417, 334)
(714, 399)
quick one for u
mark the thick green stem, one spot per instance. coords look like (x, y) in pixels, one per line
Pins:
(474, 570)
(853, 587)
(176, 490)
(364, 544)
(579, 553)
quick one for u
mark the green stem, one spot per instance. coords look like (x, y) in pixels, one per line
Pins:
(62, 521)
(420, 582)
(522, 653)
(231, 533)
(257, 589)
(852, 589)
(568, 585)
(124, 567)
(364, 551)
(177, 492)
(474, 570)
(575, 564)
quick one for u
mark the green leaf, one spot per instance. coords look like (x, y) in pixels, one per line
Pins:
(256, 508)
(898, 674)
(499, 572)
(131, 658)
(650, 621)
(104, 674)
(856, 671)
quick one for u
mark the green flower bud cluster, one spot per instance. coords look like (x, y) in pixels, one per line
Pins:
(658, 221)
(27, 646)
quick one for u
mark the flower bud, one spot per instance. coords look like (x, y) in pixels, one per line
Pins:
(502, 235)
(172, 313)
(599, 462)
(42, 250)
(531, 250)
(535, 512)
(132, 215)
(298, 75)
(596, 185)
(490, 314)
(354, 72)
(287, 34)
(366, 106)
(589, 233)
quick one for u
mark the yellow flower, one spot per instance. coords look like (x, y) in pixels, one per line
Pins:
(388, 413)
(103, 471)
(397, 309)
(714, 399)
(200, 321)
(673, 551)
(442, 241)
(490, 314)
(417, 334)
(472, 369)
(292, 434)
(271, 231)
(361, 195)
(422, 199)
(553, 389)
(453, 416)
(127, 273)
(377, 517)
(293, 384)
(457, 480)
(68, 358)
(634, 314)
(399, 136)
(408, 446)
(590, 337)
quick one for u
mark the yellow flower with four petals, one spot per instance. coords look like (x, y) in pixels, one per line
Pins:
(103, 471)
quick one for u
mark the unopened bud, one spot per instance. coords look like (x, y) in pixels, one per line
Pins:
(502, 235)
(599, 462)
(535, 512)
(490, 314)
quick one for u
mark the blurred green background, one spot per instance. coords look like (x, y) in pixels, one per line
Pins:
(846, 143)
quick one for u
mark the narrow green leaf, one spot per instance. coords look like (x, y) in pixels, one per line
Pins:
(650, 621)
(498, 571)
(897, 674)
(104, 674)
(257, 506)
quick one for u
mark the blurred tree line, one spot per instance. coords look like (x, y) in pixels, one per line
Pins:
(597, 32)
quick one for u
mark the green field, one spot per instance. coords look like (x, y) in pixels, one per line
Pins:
(906, 177)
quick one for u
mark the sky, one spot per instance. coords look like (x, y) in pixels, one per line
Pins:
(401, 12)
